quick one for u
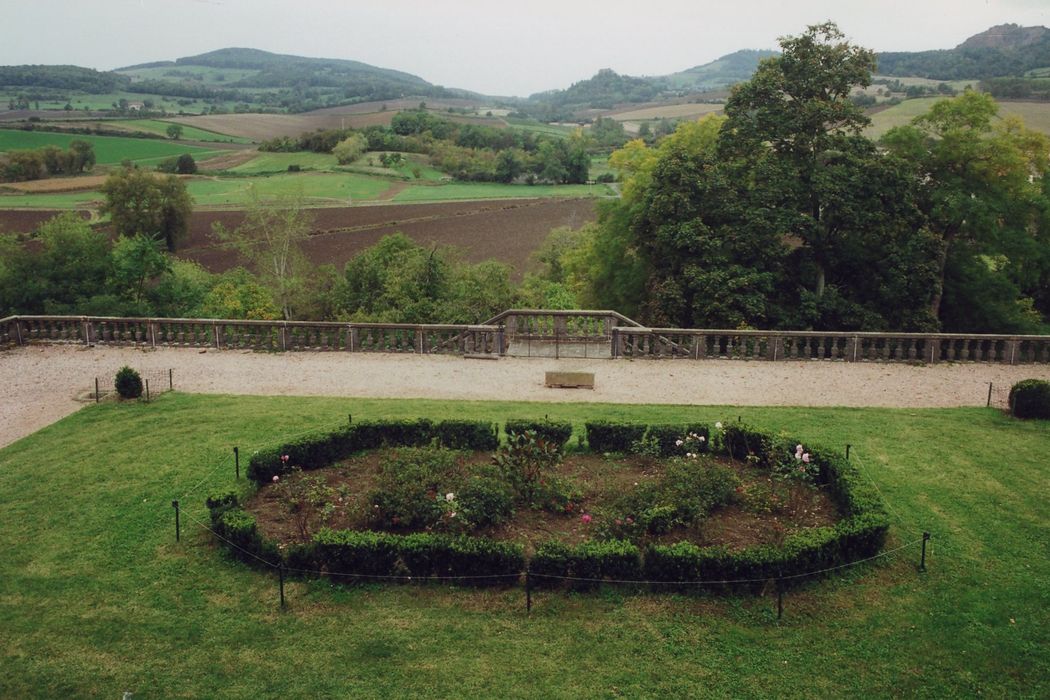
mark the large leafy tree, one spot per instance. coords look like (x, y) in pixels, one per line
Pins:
(138, 202)
(984, 194)
(797, 109)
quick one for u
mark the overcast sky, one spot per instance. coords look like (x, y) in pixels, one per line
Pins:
(489, 46)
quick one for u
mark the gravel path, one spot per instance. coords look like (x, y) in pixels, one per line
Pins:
(42, 384)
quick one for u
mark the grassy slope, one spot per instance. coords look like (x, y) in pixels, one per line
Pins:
(109, 150)
(97, 598)
(1036, 115)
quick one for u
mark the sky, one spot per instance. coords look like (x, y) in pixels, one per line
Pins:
(488, 46)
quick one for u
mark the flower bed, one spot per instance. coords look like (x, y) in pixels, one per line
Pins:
(719, 508)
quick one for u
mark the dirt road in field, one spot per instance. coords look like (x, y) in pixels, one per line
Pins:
(42, 384)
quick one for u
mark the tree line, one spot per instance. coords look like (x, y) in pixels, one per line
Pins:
(468, 152)
(39, 163)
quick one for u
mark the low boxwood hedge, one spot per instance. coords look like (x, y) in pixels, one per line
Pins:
(607, 436)
(316, 450)
(557, 432)
(467, 435)
(860, 534)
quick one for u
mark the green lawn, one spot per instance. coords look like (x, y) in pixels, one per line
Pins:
(491, 190)
(279, 162)
(109, 150)
(318, 188)
(97, 598)
(189, 133)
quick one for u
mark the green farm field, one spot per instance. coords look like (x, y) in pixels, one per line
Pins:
(279, 162)
(97, 598)
(109, 150)
(1036, 115)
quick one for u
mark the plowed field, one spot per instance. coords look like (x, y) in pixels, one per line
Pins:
(504, 231)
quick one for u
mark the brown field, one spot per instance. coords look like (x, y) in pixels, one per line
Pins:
(57, 184)
(260, 127)
(228, 160)
(26, 220)
(500, 230)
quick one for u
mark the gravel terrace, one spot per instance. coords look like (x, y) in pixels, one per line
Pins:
(66, 375)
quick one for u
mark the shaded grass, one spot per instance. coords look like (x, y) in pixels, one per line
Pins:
(97, 598)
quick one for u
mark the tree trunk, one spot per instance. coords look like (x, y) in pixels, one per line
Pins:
(942, 264)
(820, 281)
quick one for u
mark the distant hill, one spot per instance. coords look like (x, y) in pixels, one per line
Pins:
(317, 82)
(62, 78)
(718, 74)
(605, 89)
(282, 70)
(1007, 50)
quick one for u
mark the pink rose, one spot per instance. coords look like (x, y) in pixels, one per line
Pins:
(276, 478)
(585, 518)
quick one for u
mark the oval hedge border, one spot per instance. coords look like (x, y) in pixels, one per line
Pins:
(352, 555)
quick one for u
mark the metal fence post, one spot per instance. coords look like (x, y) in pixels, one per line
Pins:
(178, 534)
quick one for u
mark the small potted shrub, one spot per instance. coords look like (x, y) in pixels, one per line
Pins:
(1030, 398)
(128, 383)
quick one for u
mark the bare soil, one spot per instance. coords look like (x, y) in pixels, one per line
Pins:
(505, 231)
(27, 220)
(602, 482)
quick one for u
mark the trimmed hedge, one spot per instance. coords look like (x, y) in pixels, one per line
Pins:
(316, 450)
(421, 555)
(467, 435)
(606, 436)
(617, 560)
(860, 534)
(553, 431)
(1030, 398)
(666, 436)
(238, 530)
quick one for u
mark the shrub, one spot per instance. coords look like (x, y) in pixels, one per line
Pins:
(413, 489)
(556, 432)
(467, 435)
(1030, 398)
(219, 503)
(605, 436)
(525, 462)
(128, 383)
(485, 501)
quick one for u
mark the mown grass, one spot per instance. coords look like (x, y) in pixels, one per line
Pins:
(109, 150)
(97, 597)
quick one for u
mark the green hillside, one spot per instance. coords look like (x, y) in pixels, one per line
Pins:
(721, 73)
